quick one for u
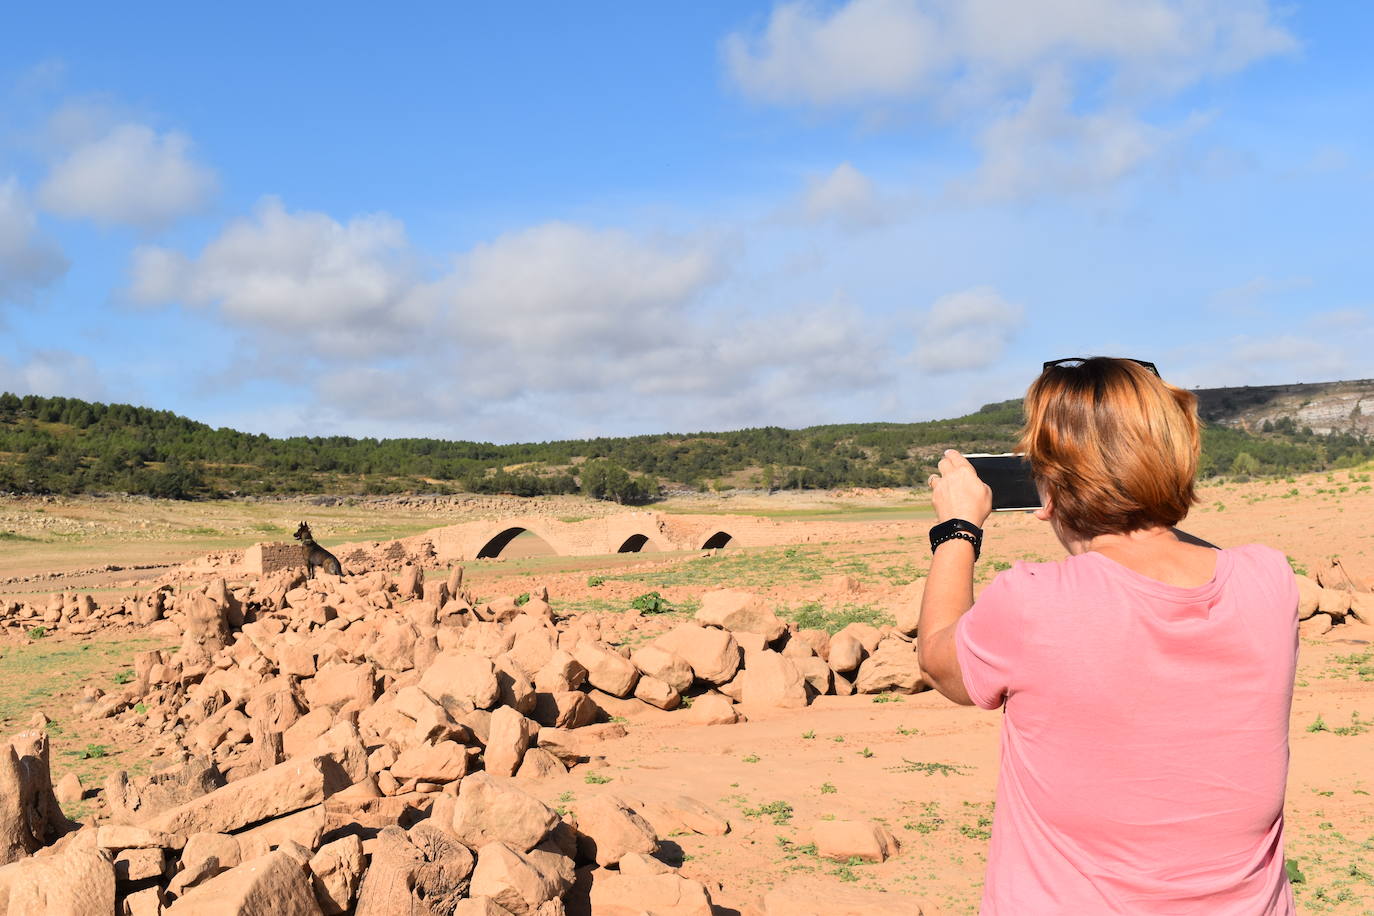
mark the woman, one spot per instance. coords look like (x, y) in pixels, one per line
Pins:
(1146, 680)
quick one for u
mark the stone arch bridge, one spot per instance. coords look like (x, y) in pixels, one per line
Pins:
(630, 532)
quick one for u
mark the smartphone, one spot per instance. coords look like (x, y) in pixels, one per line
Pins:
(1009, 476)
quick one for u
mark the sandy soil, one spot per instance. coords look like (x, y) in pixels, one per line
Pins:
(782, 774)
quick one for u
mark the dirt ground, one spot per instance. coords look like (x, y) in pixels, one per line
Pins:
(922, 765)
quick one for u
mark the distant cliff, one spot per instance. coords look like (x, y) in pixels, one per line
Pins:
(1323, 407)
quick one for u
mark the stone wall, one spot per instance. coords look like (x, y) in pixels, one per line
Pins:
(261, 559)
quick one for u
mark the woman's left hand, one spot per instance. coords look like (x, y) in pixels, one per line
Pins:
(957, 491)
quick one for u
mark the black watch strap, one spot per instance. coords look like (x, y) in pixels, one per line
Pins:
(957, 528)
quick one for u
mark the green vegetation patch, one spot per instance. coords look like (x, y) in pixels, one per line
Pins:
(816, 615)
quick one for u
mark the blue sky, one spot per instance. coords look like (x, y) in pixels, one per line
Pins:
(541, 220)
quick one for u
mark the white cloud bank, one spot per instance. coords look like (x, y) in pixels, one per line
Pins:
(51, 373)
(29, 260)
(1053, 91)
(965, 330)
(555, 324)
(129, 175)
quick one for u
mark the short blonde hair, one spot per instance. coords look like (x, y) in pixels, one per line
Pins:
(1114, 446)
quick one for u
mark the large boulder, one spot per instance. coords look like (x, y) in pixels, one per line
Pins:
(78, 881)
(275, 884)
(740, 611)
(30, 816)
(713, 654)
(664, 894)
(508, 738)
(842, 841)
(280, 790)
(514, 879)
(892, 667)
(607, 669)
(495, 810)
(461, 677)
(907, 609)
(611, 830)
(658, 662)
(771, 679)
(335, 872)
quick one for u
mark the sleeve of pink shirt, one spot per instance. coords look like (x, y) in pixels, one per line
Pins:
(988, 641)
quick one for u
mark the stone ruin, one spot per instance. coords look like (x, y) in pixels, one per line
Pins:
(364, 745)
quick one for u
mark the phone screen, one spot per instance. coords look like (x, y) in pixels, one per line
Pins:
(1009, 476)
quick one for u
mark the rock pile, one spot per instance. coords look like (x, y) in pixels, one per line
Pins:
(365, 745)
(1334, 598)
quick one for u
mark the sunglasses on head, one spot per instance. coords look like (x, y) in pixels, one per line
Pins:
(1070, 362)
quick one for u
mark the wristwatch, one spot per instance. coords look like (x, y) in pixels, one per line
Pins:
(960, 529)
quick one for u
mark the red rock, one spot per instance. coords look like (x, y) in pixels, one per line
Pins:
(713, 654)
(445, 761)
(560, 673)
(607, 669)
(68, 789)
(79, 880)
(540, 764)
(338, 685)
(336, 871)
(461, 677)
(271, 885)
(1309, 597)
(846, 652)
(611, 830)
(287, 787)
(657, 693)
(845, 840)
(122, 836)
(770, 679)
(891, 668)
(907, 608)
(575, 745)
(660, 894)
(711, 709)
(508, 738)
(658, 662)
(139, 864)
(491, 809)
(565, 709)
(740, 611)
(512, 880)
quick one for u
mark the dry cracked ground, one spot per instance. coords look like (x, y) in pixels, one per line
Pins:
(740, 732)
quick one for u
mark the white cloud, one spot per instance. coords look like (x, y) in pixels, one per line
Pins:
(845, 195)
(29, 260)
(52, 373)
(564, 288)
(546, 328)
(965, 330)
(1056, 91)
(130, 175)
(1044, 146)
(864, 49)
(346, 288)
(897, 49)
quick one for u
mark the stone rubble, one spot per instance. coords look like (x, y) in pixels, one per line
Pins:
(367, 744)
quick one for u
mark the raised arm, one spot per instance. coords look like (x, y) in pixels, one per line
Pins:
(956, 492)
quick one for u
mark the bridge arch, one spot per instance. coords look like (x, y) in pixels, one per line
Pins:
(636, 543)
(717, 540)
(494, 545)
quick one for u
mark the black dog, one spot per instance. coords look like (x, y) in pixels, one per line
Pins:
(315, 555)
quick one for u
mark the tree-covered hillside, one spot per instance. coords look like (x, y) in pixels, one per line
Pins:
(65, 445)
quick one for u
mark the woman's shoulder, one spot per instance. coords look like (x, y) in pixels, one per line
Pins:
(1260, 557)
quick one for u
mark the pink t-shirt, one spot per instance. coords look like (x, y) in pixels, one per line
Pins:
(1144, 739)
